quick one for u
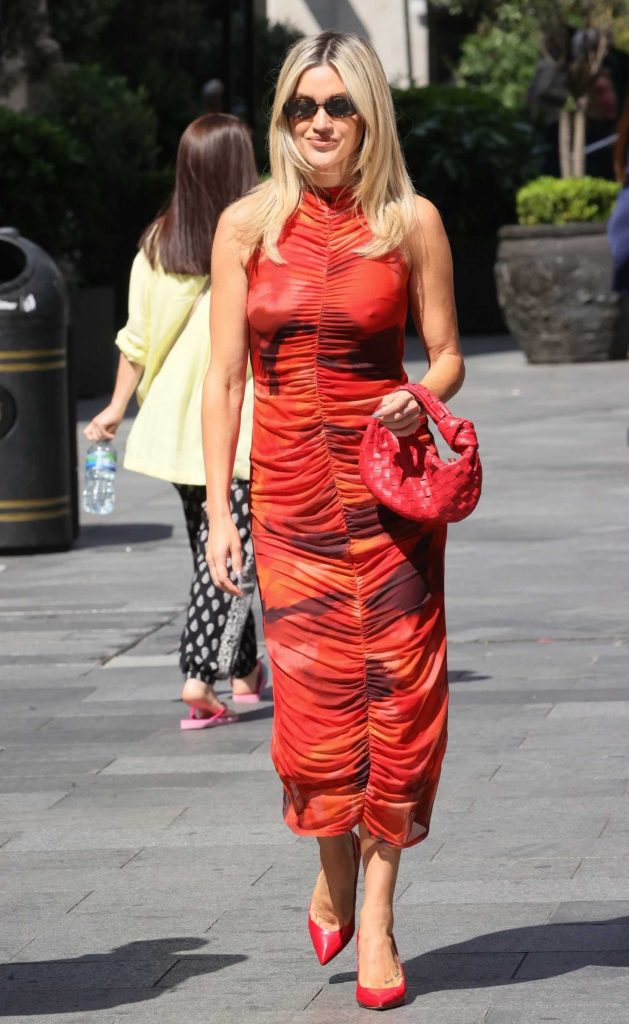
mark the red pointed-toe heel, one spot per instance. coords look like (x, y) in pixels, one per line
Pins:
(379, 998)
(328, 944)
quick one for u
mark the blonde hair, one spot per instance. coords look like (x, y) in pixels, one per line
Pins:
(379, 179)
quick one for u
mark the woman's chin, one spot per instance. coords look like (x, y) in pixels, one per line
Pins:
(328, 168)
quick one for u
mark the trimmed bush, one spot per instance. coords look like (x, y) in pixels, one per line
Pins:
(37, 160)
(120, 186)
(548, 200)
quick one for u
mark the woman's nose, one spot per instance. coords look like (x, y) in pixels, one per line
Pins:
(322, 119)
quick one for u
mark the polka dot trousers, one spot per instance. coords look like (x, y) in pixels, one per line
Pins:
(219, 637)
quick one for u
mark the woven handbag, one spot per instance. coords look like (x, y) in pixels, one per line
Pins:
(407, 474)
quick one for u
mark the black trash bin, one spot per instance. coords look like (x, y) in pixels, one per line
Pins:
(37, 450)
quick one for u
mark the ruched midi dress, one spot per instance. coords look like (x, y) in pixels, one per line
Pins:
(352, 594)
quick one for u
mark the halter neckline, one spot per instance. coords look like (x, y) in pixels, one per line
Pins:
(338, 196)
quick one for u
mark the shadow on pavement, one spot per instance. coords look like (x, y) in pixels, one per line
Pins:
(514, 956)
(133, 973)
(466, 676)
(99, 535)
(259, 713)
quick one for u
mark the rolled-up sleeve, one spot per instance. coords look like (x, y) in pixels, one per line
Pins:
(133, 338)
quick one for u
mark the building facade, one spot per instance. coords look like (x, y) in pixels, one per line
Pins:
(398, 29)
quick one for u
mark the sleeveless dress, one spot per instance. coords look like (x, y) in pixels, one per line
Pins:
(352, 594)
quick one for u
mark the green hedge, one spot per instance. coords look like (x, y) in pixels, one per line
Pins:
(121, 186)
(466, 153)
(83, 179)
(548, 200)
(37, 160)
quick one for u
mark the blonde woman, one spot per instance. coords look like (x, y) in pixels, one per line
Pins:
(164, 353)
(313, 272)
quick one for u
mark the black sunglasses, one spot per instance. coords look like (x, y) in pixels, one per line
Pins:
(303, 107)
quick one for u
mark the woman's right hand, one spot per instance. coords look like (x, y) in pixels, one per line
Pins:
(224, 544)
(104, 426)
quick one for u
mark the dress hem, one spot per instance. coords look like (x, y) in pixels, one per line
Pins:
(170, 476)
(330, 833)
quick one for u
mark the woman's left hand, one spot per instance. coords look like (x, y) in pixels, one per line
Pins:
(400, 412)
(104, 426)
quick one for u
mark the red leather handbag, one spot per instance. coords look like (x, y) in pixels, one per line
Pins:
(407, 474)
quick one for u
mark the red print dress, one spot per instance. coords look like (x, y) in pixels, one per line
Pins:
(352, 594)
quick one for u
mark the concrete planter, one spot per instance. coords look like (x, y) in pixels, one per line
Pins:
(553, 286)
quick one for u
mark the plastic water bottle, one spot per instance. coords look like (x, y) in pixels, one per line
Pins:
(99, 483)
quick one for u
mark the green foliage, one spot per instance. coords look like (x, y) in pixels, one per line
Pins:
(574, 39)
(554, 24)
(114, 125)
(78, 24)
(114, 133)
(501, 56)
(566, 200)
(37, 159)
(547, 12)
(466, 153)
(88, 175)
(169, 50)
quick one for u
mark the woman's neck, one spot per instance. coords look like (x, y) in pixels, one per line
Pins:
(331, 181)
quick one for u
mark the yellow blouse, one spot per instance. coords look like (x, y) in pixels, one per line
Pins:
(165, 439)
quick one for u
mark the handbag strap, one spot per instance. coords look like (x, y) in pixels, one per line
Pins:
(458, 433)
(184, 323)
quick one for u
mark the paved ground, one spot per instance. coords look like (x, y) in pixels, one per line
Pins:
(146, 875)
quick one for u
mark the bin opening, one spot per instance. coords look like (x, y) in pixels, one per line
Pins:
(12, 261)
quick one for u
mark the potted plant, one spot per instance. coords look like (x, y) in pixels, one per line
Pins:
(553, 272)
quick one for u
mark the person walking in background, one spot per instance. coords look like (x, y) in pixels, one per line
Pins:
(314, 272)
(618, 227)
(164, 354)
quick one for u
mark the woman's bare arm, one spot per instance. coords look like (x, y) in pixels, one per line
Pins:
(431, 296)
(223, 392)
(104, 426)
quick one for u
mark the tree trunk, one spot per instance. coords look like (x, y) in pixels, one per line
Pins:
(578, 138)
(565, 148)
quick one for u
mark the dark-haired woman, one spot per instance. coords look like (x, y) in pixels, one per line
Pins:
(164, 353)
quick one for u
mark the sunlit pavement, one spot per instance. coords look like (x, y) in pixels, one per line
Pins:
(146, 874)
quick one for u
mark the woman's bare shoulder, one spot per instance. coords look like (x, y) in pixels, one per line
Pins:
(238, 215)
(427, 232)
(234, 225)
(427, 215)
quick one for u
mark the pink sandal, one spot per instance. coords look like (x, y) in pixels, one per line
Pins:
(256, 695)
(199, 719)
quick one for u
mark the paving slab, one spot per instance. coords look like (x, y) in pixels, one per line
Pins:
(146, 875)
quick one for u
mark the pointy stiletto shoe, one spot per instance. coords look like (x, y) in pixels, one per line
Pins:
(328, 944)
(379, 998)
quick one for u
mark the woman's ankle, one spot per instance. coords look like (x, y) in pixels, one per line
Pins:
(198, 690)
(247, 683)
(376, 919)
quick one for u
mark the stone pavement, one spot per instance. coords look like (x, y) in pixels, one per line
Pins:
(146, 874)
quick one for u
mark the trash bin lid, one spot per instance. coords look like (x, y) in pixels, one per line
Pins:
(30, 282)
